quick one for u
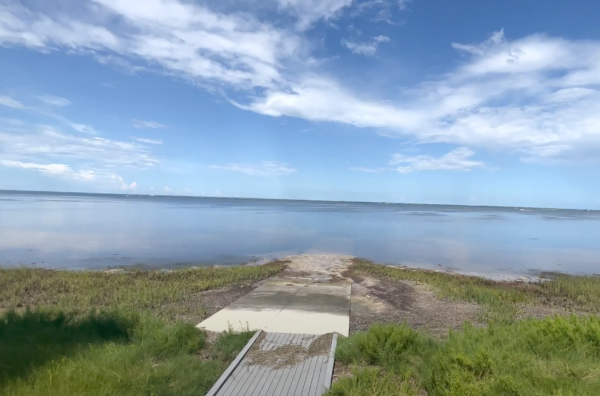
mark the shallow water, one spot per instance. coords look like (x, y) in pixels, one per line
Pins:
(55, 230)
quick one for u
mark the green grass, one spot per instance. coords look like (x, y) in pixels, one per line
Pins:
(554, 356)
(108, 353)
(140, 290)
(130, 345)
(578, 292)
(500, 300)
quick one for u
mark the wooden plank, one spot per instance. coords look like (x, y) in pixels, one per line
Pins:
(238, 384)
(243, 375)
(267, 380)
(273, 379)
(267, 342)
(297, 378)
(293, 372)
(273, 339)
(237, 380)
(215, 388)
(329, 372)
(240, 376)
(302, 377)
(255, 388)
(256, 383)
(316, 385)
(286, 375)
(310, 376)
(280, 340)
(319, 387)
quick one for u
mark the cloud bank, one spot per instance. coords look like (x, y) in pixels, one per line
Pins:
(535, 97)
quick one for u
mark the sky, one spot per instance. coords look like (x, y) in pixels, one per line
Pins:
(472, 102)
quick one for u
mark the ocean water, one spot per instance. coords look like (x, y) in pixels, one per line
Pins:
(78, 231)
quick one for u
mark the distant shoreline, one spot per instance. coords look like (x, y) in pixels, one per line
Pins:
(115, 195)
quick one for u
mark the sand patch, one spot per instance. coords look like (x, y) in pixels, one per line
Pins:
(384, 301)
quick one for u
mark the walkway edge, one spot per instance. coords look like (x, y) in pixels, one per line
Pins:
(329, 372)
(221, 381)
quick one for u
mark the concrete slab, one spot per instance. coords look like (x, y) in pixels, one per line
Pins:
(288, 306)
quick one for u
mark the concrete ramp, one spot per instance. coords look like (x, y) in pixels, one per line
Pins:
(288, 306)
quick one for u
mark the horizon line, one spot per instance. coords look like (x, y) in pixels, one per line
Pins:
(294, 199)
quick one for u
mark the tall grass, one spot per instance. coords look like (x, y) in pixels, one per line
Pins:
(554, 356)
(80, 290)
(130, 346)
(578, 292)
(109, 353)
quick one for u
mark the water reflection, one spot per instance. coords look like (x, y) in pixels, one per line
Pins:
(92, 231)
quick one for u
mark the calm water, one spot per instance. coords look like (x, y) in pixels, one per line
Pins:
(95, 231)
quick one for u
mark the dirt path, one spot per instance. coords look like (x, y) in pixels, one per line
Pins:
(385, 301)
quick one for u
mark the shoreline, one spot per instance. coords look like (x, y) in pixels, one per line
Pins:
(427, 309)
(514, 276)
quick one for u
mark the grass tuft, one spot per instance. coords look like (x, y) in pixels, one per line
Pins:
(107, 353)
(554, 356)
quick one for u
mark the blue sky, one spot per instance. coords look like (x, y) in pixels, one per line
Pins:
(423, 101)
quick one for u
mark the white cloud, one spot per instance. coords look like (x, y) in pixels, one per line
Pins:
(148, 141)
(48, 144)
(184, 39)
(54, 100)
(536, 96)
(381, 10)
(168, 189)
(54, 153)
(367, 170)
(319, 99)
(10, 102)
(366, 49)
(456, 160)
(147, 124)
(402, 4)
(266, 168)
(121, 185)
(84, 175)
(88, 130)
(51, 169)
(309, 11)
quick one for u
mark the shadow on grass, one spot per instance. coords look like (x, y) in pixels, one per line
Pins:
(31, 339)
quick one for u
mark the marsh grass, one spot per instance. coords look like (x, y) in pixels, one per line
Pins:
(138, 289)
(500, 300)
(553, 356)
(108, 353)
(96, 333)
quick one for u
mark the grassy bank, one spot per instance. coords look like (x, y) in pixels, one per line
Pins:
(553, 356)
(501, 301)
(557, 355)
(108, 353)
(95, 333)
(155, 291)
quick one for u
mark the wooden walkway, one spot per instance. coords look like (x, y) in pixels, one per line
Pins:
(264, 370)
